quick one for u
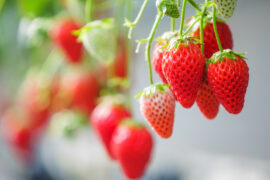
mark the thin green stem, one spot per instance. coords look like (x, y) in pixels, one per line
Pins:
(89, 10)
(149, 42)
(215, 29)
(182, 18)
(178, 3)
(134, 23)
(173, 24)
(190, 27)
(195, 5)
(201, 26)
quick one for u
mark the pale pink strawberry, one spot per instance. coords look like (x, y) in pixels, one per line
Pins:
(157, 105)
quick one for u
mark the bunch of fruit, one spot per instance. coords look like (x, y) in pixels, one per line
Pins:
(195, 65)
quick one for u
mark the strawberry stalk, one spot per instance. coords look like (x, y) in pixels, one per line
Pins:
(89, 10)
(182, 18)
(201, 26)
(134, 23)
(173, 24)
(149, 42)
(215, 29)
(191, 26)
(194, 4)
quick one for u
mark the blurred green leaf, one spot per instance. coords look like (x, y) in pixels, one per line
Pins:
(1, 4)
(37, 8)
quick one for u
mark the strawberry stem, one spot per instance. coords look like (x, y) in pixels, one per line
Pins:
(173, 24)
(89, 10)
(190, 27)
(201, 26)
(134, 23)
(149, 42)
(194, 4)
(215, 29)
(182, 18)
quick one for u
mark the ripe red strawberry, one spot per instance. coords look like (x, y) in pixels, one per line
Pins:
(81, 89)
(105, 118)
(210, 42)
(207, 101)
(228, 76)
(157, 60)
(63, 37)
(157, 105)
(17, 132)
(184, 68)
(132, 146)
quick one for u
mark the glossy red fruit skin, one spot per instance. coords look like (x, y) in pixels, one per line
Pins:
(229, 81)
(158, 55)
(184, 69)
(207, 101)
(82, 88)
(105, 119)
(132, 147)
(63, 37)
(210, 43)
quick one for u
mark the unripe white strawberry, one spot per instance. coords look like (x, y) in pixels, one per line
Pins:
(225, 7)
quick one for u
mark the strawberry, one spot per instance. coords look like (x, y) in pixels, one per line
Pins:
(225, 7)
(210, 42)
(157, 60)
(132, 146)
(34, 98)
(228, 76)
(17, 132)
(105, 118)
(207, 101)
(183, 68)
(80, 89)
(63, 37)
(157, 105)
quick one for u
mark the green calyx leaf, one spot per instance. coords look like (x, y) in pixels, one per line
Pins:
(227, 53)
(99, 38)
(168, 7)
(152, 89)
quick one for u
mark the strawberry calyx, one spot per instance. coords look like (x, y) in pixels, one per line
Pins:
(152, 89)
(168, 8)
(227, 53)
(131, 123)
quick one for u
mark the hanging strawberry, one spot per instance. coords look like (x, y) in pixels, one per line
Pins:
(228, 76)
(62, 35)
(157, 105)
(132, 146)
(225, 7)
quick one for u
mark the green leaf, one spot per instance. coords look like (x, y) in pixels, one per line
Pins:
(168, 7)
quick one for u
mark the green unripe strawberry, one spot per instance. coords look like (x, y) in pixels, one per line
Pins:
(225, 7)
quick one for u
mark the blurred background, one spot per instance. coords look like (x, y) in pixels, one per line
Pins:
(227, 148)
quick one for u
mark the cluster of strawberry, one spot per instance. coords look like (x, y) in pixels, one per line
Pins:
(196, 66)
(125, 140)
